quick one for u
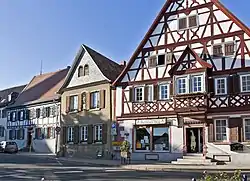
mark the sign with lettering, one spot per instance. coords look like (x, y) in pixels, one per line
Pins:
(150, 121)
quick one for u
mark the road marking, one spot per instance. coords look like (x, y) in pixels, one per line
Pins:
(117, 170)
(72, 171)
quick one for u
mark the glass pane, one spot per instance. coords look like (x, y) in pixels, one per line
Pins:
(161, 139)
(142, 138)
(218, 137)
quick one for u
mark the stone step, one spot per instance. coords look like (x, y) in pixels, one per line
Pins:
(188, 163)
(194, 160)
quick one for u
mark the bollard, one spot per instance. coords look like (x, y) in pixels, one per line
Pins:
(244, 177)
(193, 179)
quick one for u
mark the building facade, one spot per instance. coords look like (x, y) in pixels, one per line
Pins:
(86, 101)
(186, 88)
(7, 97)
(33, 118)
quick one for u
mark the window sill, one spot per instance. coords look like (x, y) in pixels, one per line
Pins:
(84, 142)
(98, 143)
(94, 109)
(70, 143)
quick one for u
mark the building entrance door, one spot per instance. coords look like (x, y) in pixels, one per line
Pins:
(194, 140)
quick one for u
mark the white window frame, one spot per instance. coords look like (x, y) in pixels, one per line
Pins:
(187, 19)
(150, 97)
(216, 85)
(70, 134)
(97, 100)
(241, 87)
(135, 91)
(244, 128)
(84, 133)
(74, 104)
(98, 138)
(202, 82)
(227, 130)
(168, 91)
(186, 86)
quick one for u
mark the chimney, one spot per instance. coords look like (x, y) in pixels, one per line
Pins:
(123, 63)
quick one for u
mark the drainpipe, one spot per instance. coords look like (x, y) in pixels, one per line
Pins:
(111, 118)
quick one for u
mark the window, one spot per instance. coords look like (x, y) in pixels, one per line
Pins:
(50, 133)
(245, 83)
(150, 93)
(98, 133)
(84, 101)
(192, 20)
(220, 86)
(164, 91)
(38, 112)
(80, 71)
(86, 70)
(70, 134)
(161, 59)
(159, 137)
(217, 50)
(73, 103)
(84, 133)
(181, 85)
(197, 85)
(13, 116)
(229, 49)
(40, 133)
(139, 94)
(20, 134)
(4, 113)
(9, 117)
(2, 131)
(221, 130)
(247, 129)
(95, 100)
(12, 134)
(48, 111)
(182, 22)
(0, 113)
(21, 115)
(152, 61)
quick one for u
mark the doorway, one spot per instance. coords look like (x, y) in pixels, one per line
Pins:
(194, 140)
(29, 137)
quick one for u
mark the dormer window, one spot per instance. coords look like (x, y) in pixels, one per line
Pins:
(80, 71)
(190, 21)
(86, 70)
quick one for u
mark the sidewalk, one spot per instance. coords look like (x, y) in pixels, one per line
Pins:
(157, 166)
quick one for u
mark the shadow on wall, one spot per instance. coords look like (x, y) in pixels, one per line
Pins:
(90, 147)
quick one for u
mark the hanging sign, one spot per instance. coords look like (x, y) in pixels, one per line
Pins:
(150, 121)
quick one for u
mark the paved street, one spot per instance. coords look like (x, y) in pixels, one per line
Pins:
(21, 167)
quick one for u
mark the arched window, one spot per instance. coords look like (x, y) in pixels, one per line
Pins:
(80, 71)
(86, 70)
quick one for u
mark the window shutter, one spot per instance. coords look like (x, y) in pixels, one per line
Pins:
(146, 93)
(192, 21)
(90, 134)
(211, 132)
(88, 101)
(76, 134)
(67, 104)
(104, 133)
(156, 92)
(102, 99)
(210, 88)
(131, 94)
(171, 87)
(80, 102)
(152, 61)
(64, 135)
(236, 83)
(230, 85)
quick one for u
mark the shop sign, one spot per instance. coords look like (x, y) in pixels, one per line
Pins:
(150, 121)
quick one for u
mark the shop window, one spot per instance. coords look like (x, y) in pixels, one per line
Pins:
(159, 137)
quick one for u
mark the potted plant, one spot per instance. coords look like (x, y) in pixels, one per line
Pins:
(125, 147)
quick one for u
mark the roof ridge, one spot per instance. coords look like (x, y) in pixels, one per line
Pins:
(12, 87)
(47, 73)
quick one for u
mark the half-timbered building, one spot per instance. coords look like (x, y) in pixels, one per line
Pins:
(35, 114)
(186, 89)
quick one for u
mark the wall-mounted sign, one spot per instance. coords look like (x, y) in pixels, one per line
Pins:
(150, 121)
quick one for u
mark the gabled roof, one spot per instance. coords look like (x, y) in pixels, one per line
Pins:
(187, 51)
(167, 4)
(41, 88)
(6, 92)
(110, 69)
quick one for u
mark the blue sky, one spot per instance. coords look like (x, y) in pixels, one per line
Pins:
(52, 31)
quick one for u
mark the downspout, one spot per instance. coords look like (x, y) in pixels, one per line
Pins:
(111, 118)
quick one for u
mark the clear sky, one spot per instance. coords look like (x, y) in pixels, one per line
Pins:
(53, 30)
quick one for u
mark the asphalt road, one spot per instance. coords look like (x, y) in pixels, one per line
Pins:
(22, 167)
